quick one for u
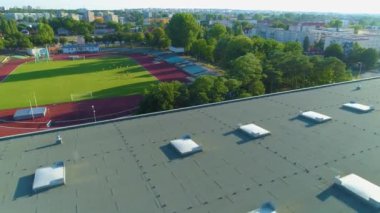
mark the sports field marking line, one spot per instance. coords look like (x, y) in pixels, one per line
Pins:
(91, 117)
(23, 122)
(80, 95)
(12, 71)
(8, 127)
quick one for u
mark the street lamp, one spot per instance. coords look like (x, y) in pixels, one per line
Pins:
(360, 70)
(93, 111)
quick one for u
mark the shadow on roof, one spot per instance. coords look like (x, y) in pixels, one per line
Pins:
(24, 187)
(44, 147)
(347, 198)
(244, 138)
(170, 152)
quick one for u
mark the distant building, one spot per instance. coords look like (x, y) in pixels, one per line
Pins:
(122, 20)
(88, 16)
(74, 16)
(150, 21)
(80, 48)
(111, 18)
(61, 14)
(63, 32)
(103, 29)
(21, 16)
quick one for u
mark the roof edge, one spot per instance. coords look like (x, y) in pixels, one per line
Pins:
(181, 109)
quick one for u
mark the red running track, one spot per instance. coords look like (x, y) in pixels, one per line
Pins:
(162, 71)
(66, 114)
(7, 68)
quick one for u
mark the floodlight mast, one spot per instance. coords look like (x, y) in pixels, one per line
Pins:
(94, 112)
(360, 71)
(31, 109)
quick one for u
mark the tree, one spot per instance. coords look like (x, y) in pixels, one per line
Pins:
(248, 69)
(334, 50)
(139, 37)
(280, 24)
(295, 68)
(247, 66)
(162, 96)
(218, 90)
(217, 31)
(220, 52)
(201, 50)
(149, 39)
(238, 46)
(356, 28)
(293, 47)
(45, 34)
(233, 87)
(336, 23)
(320, 45)
(369, 57)
(23, 41)
(200, 89)
(355, 55)
(183, 30)
(241, 16)
(160, 39)
(306, 44)
(2, 44)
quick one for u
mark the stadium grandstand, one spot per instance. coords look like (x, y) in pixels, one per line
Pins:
(310, 150)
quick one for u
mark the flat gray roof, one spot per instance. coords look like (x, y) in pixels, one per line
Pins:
(127, 166)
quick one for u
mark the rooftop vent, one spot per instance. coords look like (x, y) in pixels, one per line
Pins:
(358, 107)
(315, 116)
(265, 208)
(254, 130)
(49, 177)
(59, 139)
(185, 145)
(361, 187)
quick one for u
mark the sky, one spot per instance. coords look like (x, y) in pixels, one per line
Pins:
(340, 6)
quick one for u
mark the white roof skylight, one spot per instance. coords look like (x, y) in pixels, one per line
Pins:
(254, 130)
(357, 106)
(48, 177)
(315, 116)
(185, 146)
(361, 187)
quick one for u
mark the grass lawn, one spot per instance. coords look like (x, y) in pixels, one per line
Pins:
(66, 81)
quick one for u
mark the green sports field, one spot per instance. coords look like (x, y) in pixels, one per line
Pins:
(66, 81)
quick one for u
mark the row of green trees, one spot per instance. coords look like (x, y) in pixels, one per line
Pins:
(253, 66)
(367, 57)
(13, 38)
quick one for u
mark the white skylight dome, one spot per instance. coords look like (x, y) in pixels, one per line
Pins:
(315, 116)
(358, 107)
(48, 177)
(361, 187)
(254, 130)
(186, 146)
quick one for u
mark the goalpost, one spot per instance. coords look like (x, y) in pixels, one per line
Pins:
(42, 54)
(81, 96)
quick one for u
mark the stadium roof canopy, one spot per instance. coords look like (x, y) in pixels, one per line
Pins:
(129, 165)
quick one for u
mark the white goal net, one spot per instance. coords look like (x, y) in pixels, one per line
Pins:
(81, 96)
